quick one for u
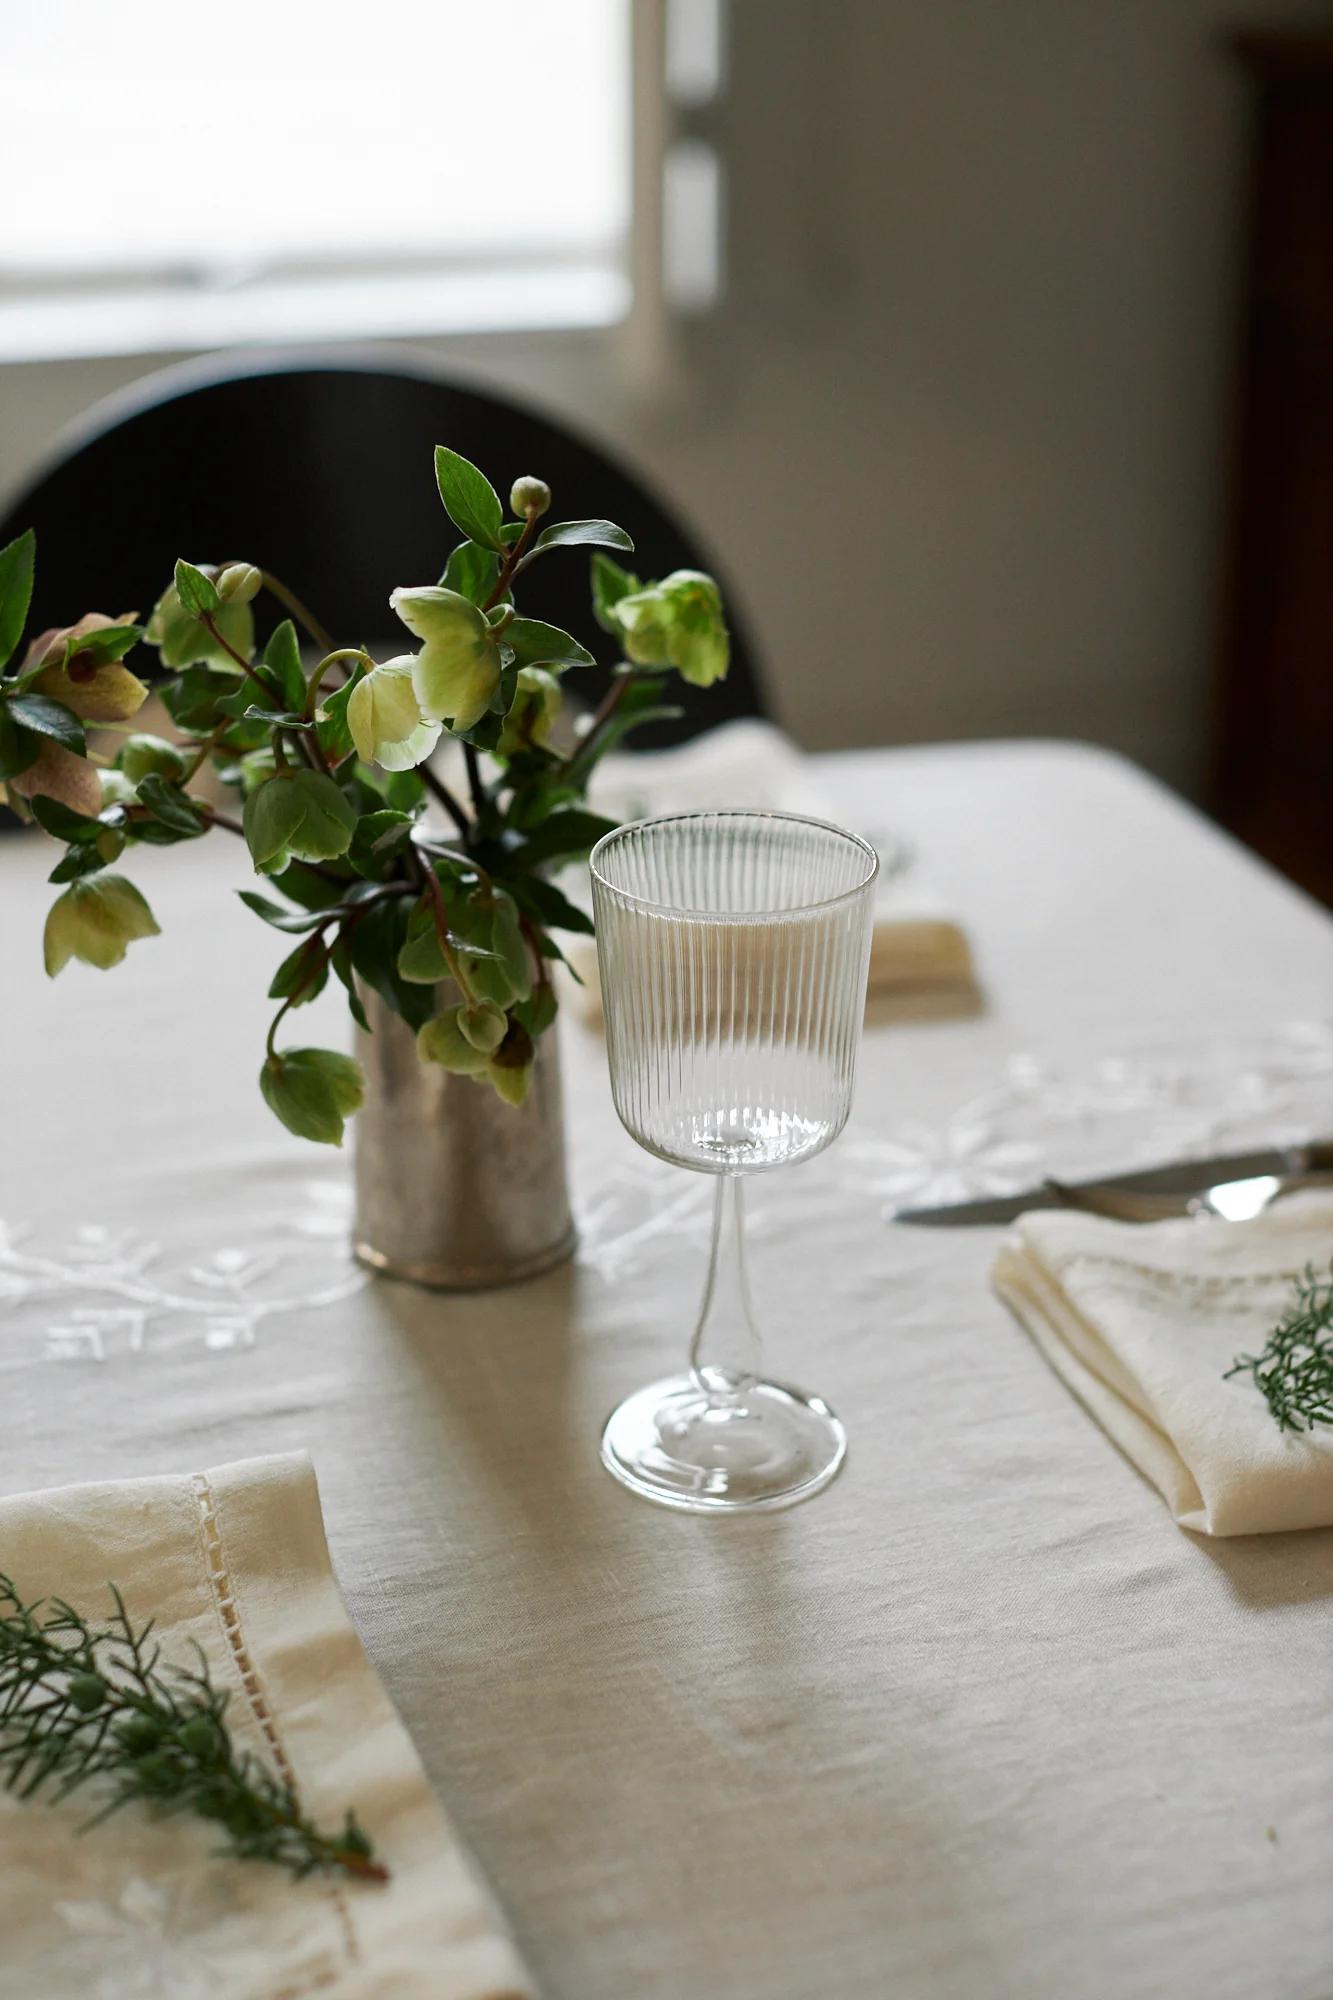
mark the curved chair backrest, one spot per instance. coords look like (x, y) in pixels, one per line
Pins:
(321, 470)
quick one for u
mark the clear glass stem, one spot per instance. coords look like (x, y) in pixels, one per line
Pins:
(724, 1355)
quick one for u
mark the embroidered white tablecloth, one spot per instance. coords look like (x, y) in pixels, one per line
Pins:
(978, 1720)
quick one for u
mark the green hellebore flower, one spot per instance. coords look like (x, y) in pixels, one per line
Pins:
(483, 1024)
(442, 1041)
(510, 1068)
(458, 668)
(146, 756)
(512, 1084)
(313, 1091)
(300, 814)
(95, 920)
(676, 623)
(183, 642)
(385, 718)
(532, 712)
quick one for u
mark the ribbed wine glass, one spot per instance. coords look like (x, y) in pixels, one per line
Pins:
(732, 949)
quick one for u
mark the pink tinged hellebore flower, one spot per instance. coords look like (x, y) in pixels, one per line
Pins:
(457, 671)
(63, 775)
(385, 718)
(94, 690)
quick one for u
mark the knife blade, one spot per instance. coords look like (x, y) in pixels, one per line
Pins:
(1183, 1177)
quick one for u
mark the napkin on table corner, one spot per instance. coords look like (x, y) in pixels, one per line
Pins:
(1142, 1320)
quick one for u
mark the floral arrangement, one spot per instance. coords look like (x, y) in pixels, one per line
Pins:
(389, 880)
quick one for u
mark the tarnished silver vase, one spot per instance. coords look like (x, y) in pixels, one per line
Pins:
(454, 1187)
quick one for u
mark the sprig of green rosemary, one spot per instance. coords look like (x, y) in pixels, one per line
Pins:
(1295, 1371)
(80, 1703)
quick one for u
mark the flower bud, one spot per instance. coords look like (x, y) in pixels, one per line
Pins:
(385, 718)
(529, 498)
(110, 844)
(239, 583)
(95, 920)
(147, 756)
(458, 668)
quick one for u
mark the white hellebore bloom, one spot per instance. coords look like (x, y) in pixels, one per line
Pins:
(385, 718)
(458, 668)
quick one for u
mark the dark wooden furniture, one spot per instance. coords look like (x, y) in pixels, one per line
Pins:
(320, 469)
(1274, 780)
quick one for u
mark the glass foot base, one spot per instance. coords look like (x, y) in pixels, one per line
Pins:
(770, 1447)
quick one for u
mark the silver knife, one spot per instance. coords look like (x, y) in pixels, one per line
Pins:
(1183, 1177)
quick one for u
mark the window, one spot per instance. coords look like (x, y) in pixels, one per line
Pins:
(179, 176)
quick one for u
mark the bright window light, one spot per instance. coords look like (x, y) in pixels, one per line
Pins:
(277, 170)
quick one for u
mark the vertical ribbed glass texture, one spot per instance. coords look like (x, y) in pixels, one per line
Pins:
(733, 949)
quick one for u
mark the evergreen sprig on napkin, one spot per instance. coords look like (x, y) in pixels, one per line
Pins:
(1295, 1371)
(80, 1703)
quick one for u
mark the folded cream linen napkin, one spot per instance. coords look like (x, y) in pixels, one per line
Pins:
(236, 1559)
(917, 943)
(1141, 1321)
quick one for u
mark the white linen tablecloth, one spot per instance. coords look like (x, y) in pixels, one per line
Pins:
(979, 1720)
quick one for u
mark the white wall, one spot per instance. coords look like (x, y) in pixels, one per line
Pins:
(960, 427)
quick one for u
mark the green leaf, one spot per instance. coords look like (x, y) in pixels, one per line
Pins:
(472, 571)
(380, 839)
(277, 718)
(470, 501)
(340, 959)
(195, 591)
(537, 1013)
(169, 805)
(546, 905)
(111, 642)
(78, 861)
(536, 644)
(373, 946)
(609, 584)
(302, 974)
(282, 657)
(313, 1092)
(50, 719)
(16, 567)
(312, 888)
(200, 697)
(297, 813)
(563, 834)
(18, 748)
(62, 822)
(578, 534)
(281, 920)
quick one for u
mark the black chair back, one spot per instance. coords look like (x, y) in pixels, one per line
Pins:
(321, 471)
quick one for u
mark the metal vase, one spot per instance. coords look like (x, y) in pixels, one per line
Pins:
(455, 1188)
